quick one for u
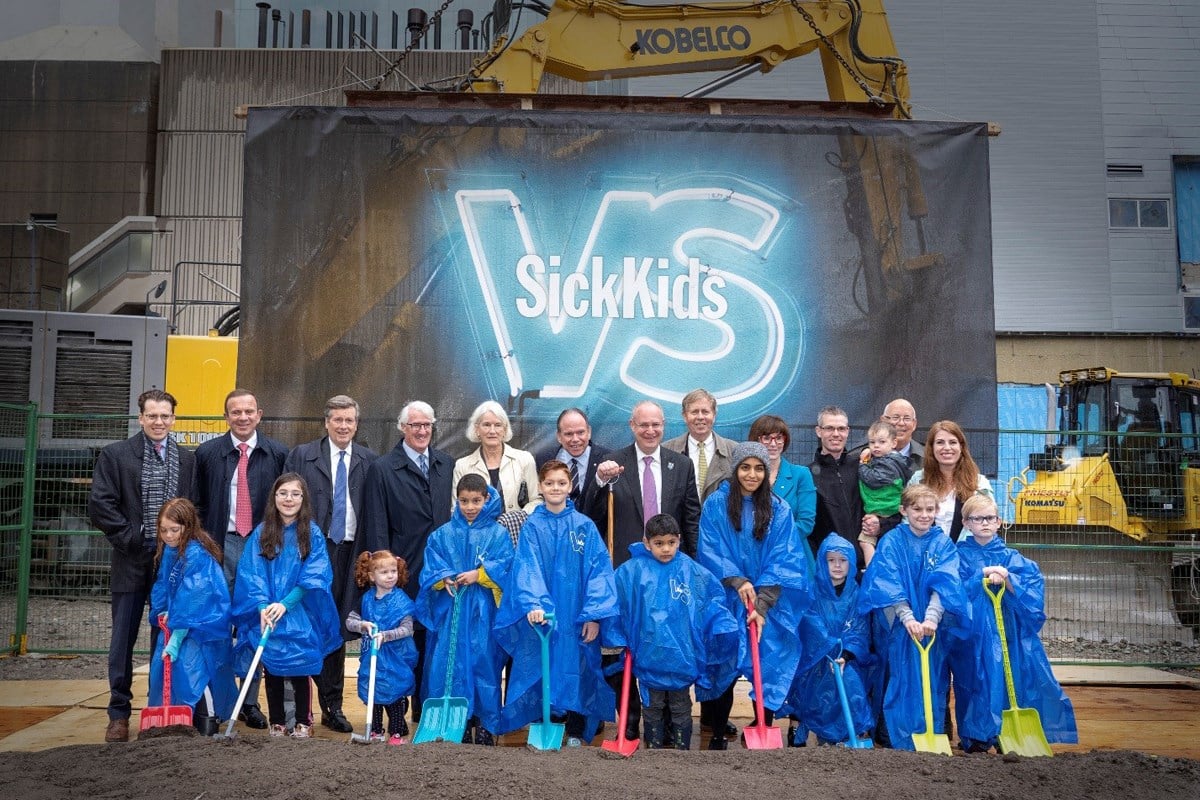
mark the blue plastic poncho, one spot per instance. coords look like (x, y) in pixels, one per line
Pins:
(451, 549)
(832, 625)
(980, 694)
(394, 677)
(777, 560)
(191, 591)
(910, 567)
(674, 621)
(562, 567)
(306, 633)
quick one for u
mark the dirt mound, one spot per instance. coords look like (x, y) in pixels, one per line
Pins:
(166, 768)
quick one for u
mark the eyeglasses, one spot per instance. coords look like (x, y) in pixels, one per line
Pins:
(901, 419)
(835, 428)
(283, 494)
(989, 519)
(419, 426)
(772, 438)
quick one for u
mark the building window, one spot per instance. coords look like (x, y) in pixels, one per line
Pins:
(1191, 311)
(1126, 212)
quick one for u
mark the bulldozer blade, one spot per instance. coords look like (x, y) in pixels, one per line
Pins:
(1021, 733)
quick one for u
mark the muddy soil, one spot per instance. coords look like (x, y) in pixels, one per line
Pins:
(193, 768)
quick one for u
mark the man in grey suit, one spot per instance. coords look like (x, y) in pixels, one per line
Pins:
(334, 468)
(711, 454)
(645, 479)
(131, 481)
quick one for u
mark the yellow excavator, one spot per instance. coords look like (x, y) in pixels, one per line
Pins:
(1121, 483)
(590, 40)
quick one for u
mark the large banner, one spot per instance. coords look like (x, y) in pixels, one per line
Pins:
(548, 259)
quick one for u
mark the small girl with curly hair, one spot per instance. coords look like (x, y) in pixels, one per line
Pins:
(386, 618)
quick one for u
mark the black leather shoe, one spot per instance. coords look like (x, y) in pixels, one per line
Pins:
(253, 717)
(336, 721)
(730, 730)
(206, 725)
(718, 743)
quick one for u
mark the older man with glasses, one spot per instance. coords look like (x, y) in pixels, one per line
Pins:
(407, 496)
(903, 417)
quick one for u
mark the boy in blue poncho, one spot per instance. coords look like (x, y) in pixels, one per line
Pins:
(748, 540)
(675, 624)
(980, 694)
(386, 622)
(913, 585)
(467, 560)
(561, 567)
(283, 583)
(190, 597)
(833, 628)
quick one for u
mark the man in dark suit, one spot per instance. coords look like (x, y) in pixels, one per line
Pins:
(581, 455)
(645, 479)
(234, 476)
(408, 495)
(334, 468)
(131, 481)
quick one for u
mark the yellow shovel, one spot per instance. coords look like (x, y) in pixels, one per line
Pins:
(929, 741)
(1021, 729)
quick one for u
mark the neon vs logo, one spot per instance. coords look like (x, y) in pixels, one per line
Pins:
(656, 289)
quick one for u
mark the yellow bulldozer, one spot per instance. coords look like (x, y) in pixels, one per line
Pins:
(1113, 504)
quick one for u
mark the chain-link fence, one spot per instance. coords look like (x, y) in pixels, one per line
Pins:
(1113, 525)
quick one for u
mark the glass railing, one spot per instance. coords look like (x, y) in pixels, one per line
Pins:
(130, 253)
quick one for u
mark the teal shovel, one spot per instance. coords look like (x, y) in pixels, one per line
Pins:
(546, 735)
(443, 719)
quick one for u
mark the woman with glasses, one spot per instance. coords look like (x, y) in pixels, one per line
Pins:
(790, 482)
(952, 474)
(510, 471)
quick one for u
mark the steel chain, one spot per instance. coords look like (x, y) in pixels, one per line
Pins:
(825, 40)
(413, 42)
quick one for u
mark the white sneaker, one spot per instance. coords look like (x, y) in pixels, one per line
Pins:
(573, 741)
(302, 731)
(279, 730)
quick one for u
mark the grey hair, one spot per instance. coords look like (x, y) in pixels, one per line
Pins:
(415, 405)
(480, 410)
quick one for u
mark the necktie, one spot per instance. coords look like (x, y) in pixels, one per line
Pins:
(702, 463)
(243, 514)
(649, 491)
(575, 488)
(160, 448)
(424, 465)
(337, 525)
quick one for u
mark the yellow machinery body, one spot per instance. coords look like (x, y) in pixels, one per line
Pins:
(201, 370)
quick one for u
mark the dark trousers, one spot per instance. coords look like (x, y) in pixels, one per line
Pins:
(127, 611)
(395, 724)
(275, 690)
(331, 682)
(418, 670)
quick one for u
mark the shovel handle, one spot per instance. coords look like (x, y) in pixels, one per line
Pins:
(166, 666)
(1009, 684)
(759, 702)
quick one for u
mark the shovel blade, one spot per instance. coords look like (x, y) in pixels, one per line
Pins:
(763, 737)
(859, 744)
(626, 747)
(546, 735)
(1021, 732)
(163, 716)
(443, 719)
(932, 743)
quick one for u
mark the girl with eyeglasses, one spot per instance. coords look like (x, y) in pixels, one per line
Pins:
(283, 585)
(977, 663)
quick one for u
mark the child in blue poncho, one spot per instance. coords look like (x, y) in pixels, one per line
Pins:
(748, 540)
(283, 583)
(913, 585)
(190, 597)
(980, 694)
(467, 560)
(561, 567)
(833, 629)
(386, 621)
(674, 622)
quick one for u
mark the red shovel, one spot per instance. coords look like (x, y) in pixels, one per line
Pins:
(625, 747)
(760, 735)
(166, 714)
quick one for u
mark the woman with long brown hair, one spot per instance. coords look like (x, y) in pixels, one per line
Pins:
(951, 473)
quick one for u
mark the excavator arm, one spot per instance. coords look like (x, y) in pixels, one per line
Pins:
(589, 40)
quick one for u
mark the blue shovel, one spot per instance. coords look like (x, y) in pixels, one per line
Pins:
(853, 742)
(546, 735)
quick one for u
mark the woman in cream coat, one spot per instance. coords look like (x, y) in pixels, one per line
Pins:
(511, 471)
